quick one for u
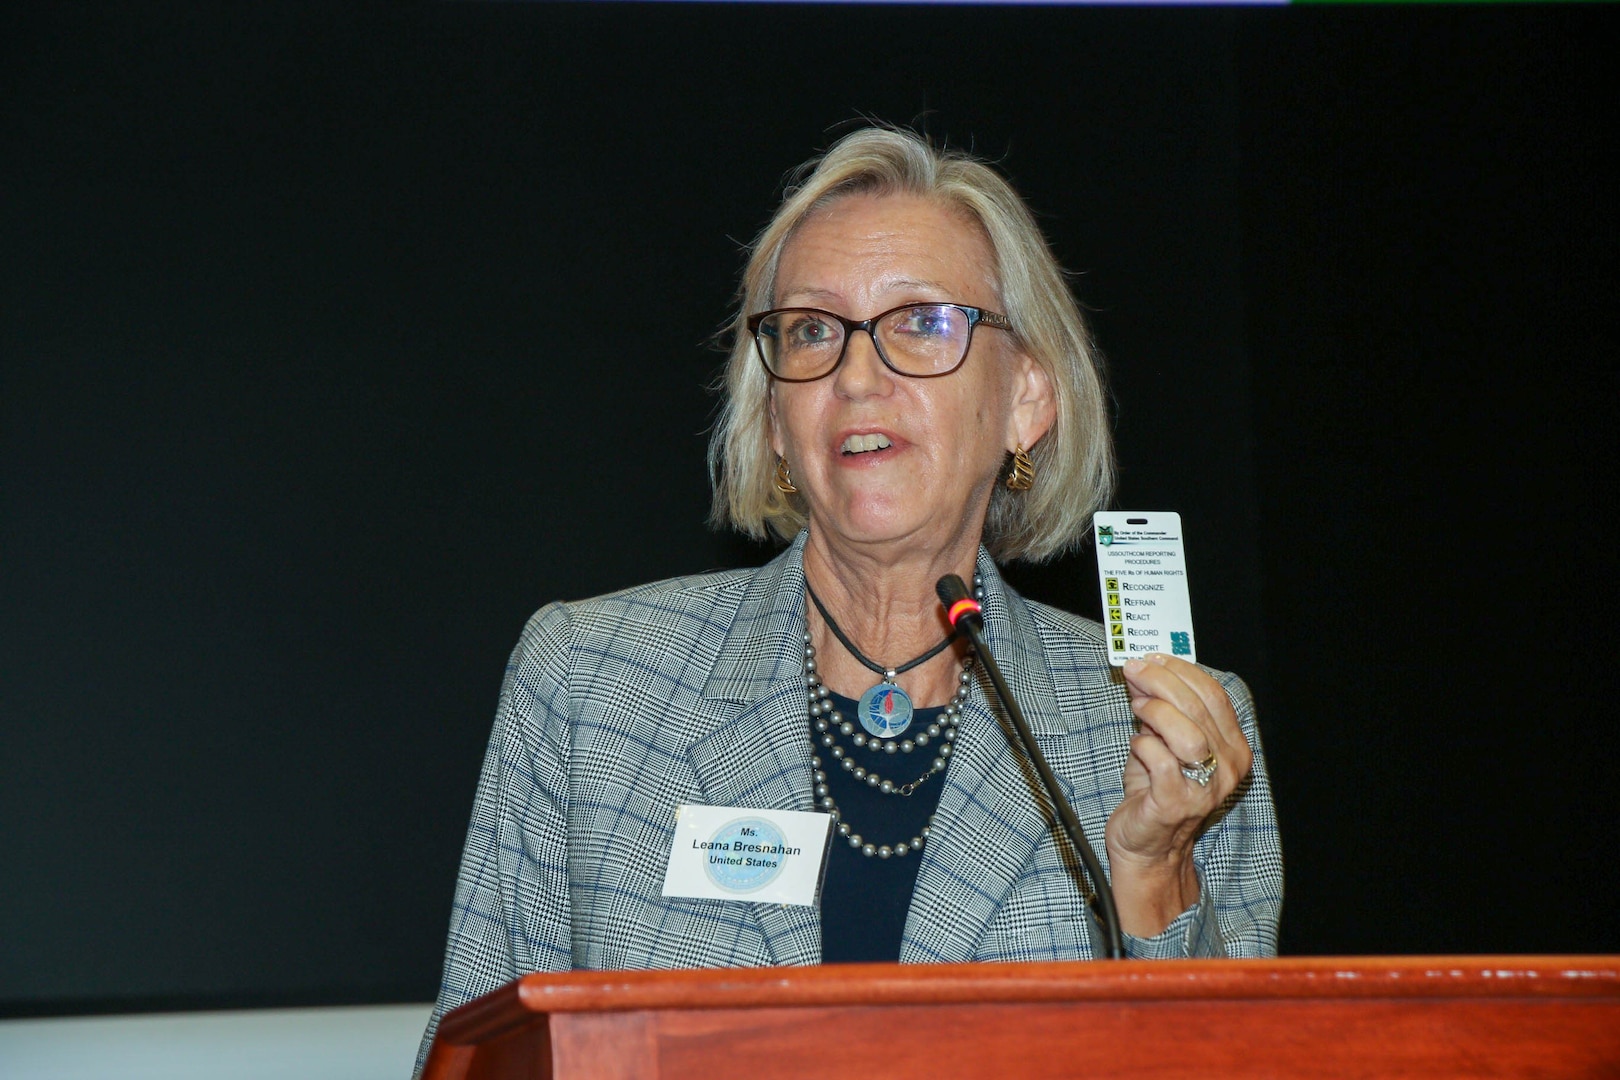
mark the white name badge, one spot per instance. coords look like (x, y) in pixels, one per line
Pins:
(1142, 571)
(733, 853)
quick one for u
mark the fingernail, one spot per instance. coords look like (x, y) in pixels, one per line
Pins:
(1133, 666)
(1158, 658)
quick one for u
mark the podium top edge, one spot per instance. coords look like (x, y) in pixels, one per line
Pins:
(1387, 977)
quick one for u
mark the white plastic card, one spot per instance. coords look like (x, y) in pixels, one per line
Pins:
(1142, 571)
(735, 853)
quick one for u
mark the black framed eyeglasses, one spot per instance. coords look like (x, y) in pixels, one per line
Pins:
(923, 341)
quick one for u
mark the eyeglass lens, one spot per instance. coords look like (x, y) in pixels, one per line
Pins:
(922, 339)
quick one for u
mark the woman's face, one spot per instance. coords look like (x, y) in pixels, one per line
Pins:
(881, 457)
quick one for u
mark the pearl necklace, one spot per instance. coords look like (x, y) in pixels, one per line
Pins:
(826, 723)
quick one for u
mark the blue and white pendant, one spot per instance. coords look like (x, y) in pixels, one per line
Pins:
(885, 710)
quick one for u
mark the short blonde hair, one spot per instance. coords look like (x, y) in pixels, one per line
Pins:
(1074, 462)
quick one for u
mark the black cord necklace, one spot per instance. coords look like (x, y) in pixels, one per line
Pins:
(885, 710)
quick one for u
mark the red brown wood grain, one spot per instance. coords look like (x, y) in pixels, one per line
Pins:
(1514, 1016)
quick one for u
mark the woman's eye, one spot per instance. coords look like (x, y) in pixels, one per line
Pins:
(925, 322)
(810, 331)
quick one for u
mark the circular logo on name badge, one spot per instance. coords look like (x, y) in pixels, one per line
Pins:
(745, 855)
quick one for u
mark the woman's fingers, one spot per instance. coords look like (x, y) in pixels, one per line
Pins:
(1186, 717)
(1184, 705)
(1188, 739)
(1186, 683)
(1187, 721)
(1163, 767)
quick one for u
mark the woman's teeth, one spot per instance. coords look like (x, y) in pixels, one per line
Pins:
(860, 444)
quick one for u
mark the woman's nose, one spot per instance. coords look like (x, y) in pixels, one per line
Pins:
(863, 371)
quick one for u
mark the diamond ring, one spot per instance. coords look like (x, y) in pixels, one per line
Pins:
(1200, 772)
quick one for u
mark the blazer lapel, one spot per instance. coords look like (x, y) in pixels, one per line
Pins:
(992, 814)
(758, 753)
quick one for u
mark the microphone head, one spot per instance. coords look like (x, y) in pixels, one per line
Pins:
(956, 598)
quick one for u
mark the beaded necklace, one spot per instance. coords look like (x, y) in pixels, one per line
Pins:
(827, 723)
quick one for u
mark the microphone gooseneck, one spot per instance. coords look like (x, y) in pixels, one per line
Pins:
(964, 614)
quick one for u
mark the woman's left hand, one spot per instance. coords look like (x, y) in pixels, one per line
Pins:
(1186, 719)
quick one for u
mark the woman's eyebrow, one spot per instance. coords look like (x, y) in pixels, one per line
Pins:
(830, 296)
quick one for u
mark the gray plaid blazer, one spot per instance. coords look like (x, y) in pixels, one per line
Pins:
(616, 710)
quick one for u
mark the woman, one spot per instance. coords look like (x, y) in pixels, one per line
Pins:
(911, 390)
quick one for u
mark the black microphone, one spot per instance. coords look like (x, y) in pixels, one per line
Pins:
(965, 615)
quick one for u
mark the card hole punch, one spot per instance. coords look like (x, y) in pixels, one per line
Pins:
(1136, 521)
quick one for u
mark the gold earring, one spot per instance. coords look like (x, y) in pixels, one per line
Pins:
(1022, 476)
(784, 478)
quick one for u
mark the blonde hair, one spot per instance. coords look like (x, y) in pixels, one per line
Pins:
(1074, 462)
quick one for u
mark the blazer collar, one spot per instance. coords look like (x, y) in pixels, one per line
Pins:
(1015, 640)
(763, 648)
(757, 752)
(991, 815)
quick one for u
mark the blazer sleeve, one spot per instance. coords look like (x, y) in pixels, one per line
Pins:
(511, 914)
(1239, 864)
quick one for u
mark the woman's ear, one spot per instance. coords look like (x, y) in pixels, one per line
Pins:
(1034, 405)
(775, 435)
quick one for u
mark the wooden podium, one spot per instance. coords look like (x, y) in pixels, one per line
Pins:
(1364, 1017)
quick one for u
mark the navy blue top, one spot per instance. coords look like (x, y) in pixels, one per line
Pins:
(864, 899)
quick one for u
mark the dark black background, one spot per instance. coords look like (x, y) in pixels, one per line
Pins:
(335, 341)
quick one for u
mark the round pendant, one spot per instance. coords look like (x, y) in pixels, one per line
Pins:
(885, 711)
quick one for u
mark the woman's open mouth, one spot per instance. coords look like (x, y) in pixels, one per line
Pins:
(862, 444)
